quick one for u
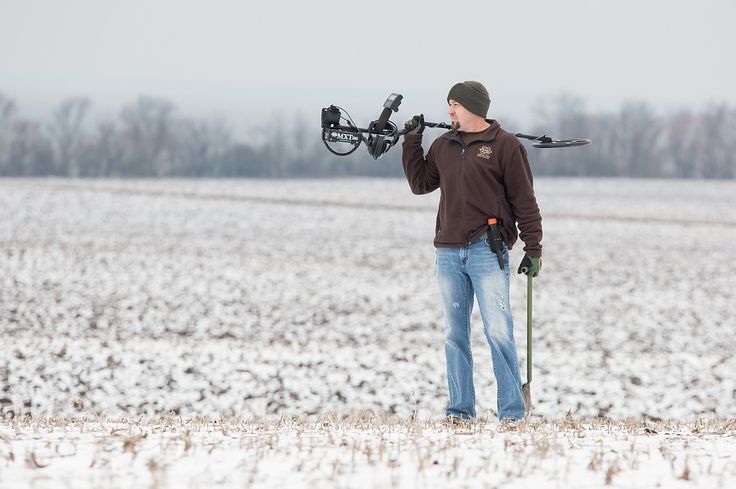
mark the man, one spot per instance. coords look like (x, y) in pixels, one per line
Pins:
(483, 175)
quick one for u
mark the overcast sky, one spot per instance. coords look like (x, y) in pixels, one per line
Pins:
(248, 61)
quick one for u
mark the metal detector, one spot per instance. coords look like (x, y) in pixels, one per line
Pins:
(382, 134)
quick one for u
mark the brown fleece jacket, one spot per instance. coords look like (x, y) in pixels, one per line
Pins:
(486, 176)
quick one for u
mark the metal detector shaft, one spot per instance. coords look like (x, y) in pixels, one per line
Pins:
(543, 139)
(439, 125)
(387, 132)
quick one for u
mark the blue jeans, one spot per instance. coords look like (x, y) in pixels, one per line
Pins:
(463, 272)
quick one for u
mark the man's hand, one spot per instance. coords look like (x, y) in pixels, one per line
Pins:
(530, 265)
(415, 125)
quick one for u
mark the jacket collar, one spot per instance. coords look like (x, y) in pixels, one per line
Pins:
(487, 136)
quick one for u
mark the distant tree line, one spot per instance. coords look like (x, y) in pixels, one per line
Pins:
(150, 138)
(636, 142)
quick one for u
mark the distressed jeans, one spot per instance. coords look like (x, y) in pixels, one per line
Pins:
(464, 272)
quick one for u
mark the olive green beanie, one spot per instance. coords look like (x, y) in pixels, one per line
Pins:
(472, 95)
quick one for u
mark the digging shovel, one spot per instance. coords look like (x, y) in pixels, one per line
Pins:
(526, 389)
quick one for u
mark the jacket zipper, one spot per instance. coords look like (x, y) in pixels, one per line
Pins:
(462, 188)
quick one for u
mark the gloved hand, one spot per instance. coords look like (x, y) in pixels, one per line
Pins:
(530, 265)
(415, 125)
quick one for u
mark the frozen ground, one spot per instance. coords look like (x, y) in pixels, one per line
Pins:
(293, 298)
(364, 451)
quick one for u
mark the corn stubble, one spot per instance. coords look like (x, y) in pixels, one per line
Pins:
(335, 449)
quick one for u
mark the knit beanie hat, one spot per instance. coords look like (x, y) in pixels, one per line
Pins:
(472, 95)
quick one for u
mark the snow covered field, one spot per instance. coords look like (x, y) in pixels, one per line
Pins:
(365, 452)
(256, 300)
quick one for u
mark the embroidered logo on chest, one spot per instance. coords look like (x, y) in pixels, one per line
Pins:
(485, 152)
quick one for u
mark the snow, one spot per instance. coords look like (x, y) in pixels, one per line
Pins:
(364, 451)
(257, 298)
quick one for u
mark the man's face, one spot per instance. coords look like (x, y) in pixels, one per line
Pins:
(459, 115)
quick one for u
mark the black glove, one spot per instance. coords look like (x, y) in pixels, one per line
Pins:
(530, 265)
(415, 125)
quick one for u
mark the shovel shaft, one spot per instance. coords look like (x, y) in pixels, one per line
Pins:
(529, 329)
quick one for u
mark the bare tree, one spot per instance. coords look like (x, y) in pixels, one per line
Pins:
(202, 145)
(275, 149)
(66, 129)
(8, 109)
(716, 142)
(101, 154)
(639, 131)
(681, 152)
(28, 151)
(301, 152)
(147, 129)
